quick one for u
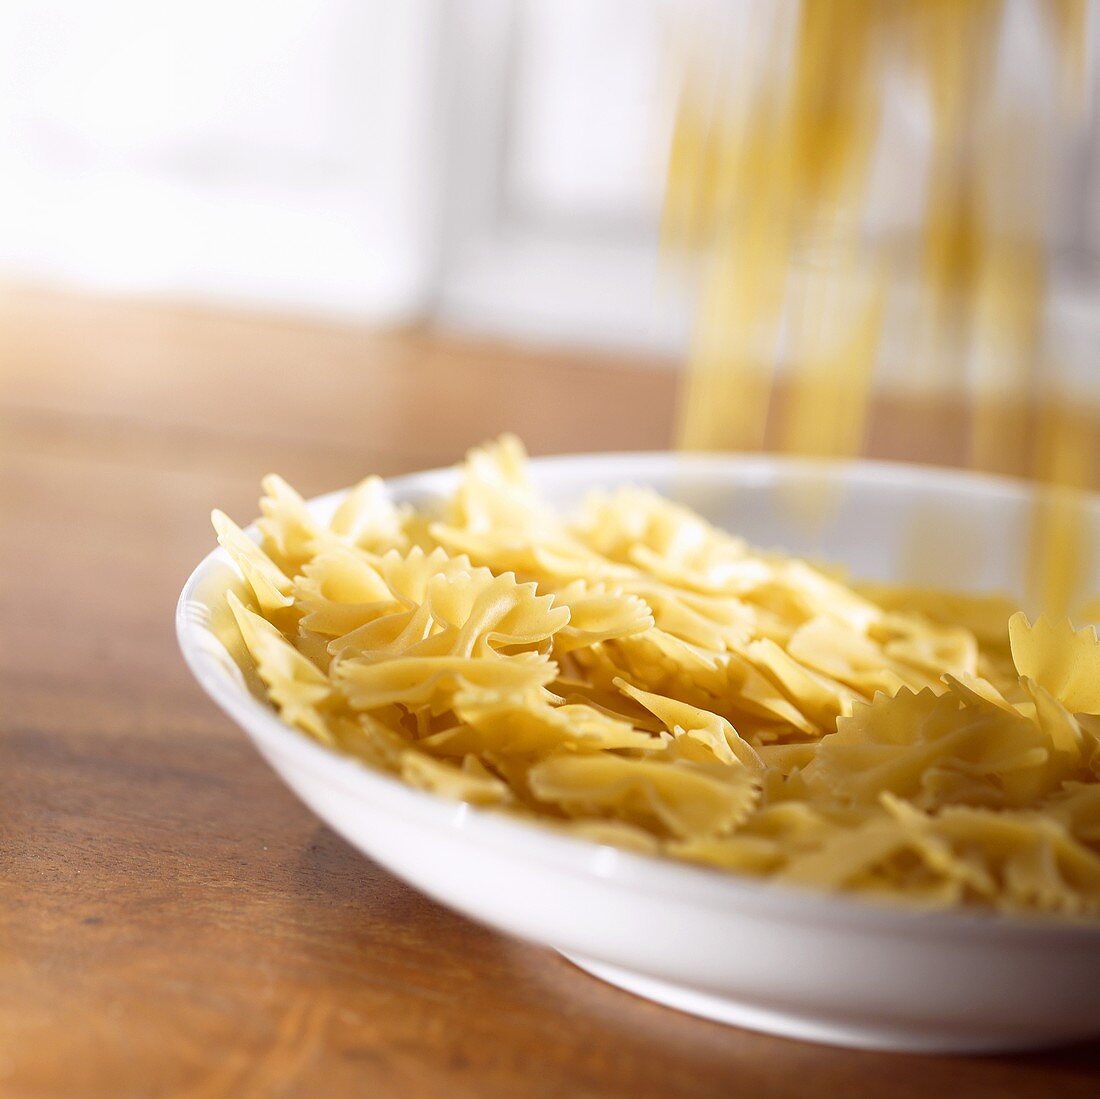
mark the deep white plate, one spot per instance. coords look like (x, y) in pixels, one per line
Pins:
(739, 950)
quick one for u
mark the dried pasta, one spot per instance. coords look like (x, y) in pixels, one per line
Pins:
(636, 677)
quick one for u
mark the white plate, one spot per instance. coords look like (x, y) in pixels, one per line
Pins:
(742, 951)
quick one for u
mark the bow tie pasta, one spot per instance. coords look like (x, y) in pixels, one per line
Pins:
(636, 677)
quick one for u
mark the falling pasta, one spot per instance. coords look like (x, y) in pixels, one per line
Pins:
(777, 194)
(636, 677)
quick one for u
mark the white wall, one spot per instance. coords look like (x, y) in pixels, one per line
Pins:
(275, 152)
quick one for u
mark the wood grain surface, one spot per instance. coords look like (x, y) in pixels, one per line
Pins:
(172, 921)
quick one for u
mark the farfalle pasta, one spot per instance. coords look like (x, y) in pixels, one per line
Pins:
(634, 676)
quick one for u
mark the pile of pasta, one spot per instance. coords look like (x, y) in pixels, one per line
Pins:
(636, 677)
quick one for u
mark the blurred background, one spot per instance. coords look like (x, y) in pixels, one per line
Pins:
(497, 164)
(488, 172)
(494, 165)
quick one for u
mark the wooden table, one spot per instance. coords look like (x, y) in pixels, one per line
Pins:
(172, 920)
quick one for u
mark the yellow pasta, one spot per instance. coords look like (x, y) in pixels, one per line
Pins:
(634, 676)
(776, 191)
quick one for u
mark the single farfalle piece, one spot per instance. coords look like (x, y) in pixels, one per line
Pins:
(444, 606)
(1064, 661)
(598, 612)
(341, 590)
(495, 492)
(368, 519)
(290, 534)
(431, 682)
(472, 629)
(274, 590)
(483, 613)
(719, 740)
(300, 690)
(686, 800)
(408, 575)
(528, 723)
